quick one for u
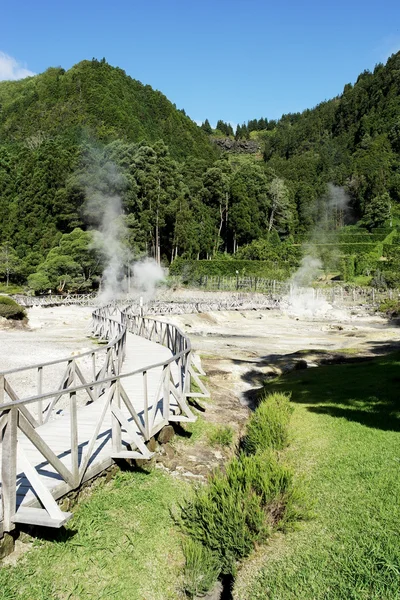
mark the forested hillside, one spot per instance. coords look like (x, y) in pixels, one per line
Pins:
(59, 131)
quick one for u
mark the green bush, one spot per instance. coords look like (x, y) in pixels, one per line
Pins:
(11, 309)
(391, 251)
(365, 264)
(201, 570)
(238, 508)
(241, 507)
(268, 425)
(347, 268)
(221, 436)
(386, 278)
(268, 250)
(391, 308)
(349, 248)
(192, 270)
(261, 473)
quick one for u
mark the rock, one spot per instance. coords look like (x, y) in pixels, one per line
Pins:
(152, 445)
(237, 146)
(144, 463)
(170, 464)
(166, 434)
(215, 594)
(169, 452)
(6, 545)
(300, 365)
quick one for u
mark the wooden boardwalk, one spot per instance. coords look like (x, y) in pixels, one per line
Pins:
(137, 387)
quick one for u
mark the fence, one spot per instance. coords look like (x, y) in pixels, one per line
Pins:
(53, 438)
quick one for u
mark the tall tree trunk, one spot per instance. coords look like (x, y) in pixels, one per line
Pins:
(157, 242)
(226, 221)
(271, 220)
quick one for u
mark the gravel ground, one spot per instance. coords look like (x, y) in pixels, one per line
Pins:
(239, 342)
(245, 347)
(51, 334)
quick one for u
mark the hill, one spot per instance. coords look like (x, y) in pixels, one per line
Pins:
(95, 99)
(63, 133)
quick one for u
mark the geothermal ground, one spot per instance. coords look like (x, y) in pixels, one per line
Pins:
(240, 348)
(51, 334)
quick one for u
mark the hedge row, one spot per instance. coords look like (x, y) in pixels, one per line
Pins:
(348, 249)
(194, 269)
(241, 506)
(391, 251)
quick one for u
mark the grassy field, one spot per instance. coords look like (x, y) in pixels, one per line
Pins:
(122, 543)
(346, 447)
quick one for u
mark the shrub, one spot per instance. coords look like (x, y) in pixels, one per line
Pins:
(201, 570)
(268, 425)
(391, 308)
(227, 519)
(347, 268)
(221, 436)
(365, 264)
(11, 309)
(199, 269)
(239, 508)
(261, 473)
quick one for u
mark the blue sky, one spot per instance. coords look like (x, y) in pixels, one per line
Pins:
(232, 60)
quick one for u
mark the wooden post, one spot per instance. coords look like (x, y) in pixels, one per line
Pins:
(74, 438)
(146, 406)
(39, 391)
(167, 392)
(115, 398)
(9, 469)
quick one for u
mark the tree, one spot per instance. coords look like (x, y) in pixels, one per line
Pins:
(216, 196)
(72, 265)
(280, 211)
(207, 127)
(378, 211)
(9, 261)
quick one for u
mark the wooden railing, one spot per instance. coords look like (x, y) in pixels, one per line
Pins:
(95, 383)
(56, 300)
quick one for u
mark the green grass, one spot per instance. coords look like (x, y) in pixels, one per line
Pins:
(345, 445)
(12, 288)
(221, 435)
(121, 543)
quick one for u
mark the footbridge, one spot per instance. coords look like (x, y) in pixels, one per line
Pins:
(108, 403)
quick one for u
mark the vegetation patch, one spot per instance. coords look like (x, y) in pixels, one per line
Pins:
(10, 309)
(122, 543)
(345, 439)
(221, 435)
(390, 308)
(244, 504)
(268, 426)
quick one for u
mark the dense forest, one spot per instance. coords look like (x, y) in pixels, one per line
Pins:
(60, 131)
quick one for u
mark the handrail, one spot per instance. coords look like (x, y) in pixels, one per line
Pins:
(171, 378)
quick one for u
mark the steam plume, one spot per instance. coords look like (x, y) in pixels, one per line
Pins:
(303, 301)
(147, 274)
(103, 187)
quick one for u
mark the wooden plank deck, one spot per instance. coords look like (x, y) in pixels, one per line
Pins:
(56, 433)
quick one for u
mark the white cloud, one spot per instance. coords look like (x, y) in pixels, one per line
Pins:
(11, 69)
